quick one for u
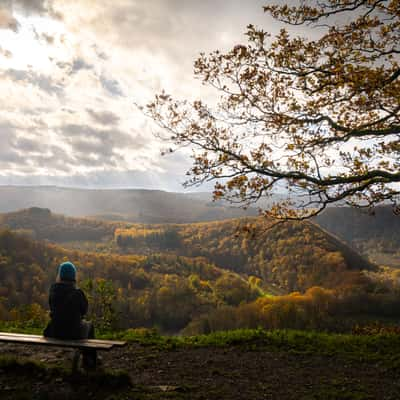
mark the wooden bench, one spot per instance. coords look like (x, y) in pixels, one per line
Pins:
(82, 344)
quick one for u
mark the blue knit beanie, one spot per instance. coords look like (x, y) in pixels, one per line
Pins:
(67, 271)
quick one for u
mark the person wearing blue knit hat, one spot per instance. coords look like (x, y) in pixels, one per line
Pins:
(68, 306)
(67, 272)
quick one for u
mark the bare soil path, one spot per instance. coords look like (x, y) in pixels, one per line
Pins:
(231, 372)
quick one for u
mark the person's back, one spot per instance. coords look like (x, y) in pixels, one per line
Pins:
(67, 307)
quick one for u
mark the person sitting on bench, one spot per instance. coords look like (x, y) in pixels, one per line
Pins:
(68, 306)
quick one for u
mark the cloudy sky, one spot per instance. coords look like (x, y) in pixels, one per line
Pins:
(71, 71)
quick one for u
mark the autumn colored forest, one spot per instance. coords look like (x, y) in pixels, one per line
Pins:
(199, 277)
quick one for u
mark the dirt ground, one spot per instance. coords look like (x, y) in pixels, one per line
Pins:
(234, 372)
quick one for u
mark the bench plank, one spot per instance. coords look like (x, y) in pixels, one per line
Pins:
(95, 344)
(117, 343)
(81, 344)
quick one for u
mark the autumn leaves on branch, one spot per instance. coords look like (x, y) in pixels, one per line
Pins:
(316, 118)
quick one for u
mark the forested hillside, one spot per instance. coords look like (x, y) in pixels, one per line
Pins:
(177, 293)
(196, 277)
(293, 256)
(192, 277)
(163, 290)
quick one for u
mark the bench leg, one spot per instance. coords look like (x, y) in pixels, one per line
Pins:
(89, 360)
(75, 361)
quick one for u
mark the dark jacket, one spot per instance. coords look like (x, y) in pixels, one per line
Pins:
(67, 307)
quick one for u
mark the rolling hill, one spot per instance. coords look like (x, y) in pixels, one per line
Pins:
(41, 223)
(147, 206)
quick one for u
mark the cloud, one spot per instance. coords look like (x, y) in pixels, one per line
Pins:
(43, 82)
(74, 148)
(27, 155)
(103, 117)
(173, 27)
(111, 86)
(54, 158)
(100, 54)
(80, 64)
(6, 53)
(47, 38)
(8, 154)
(7, 20)
(27, 7)
(37, 7)
(92, 146)
(107, 137)
(33, 6)
(75, 66)
(80, 76)
(86, 154)
(27, 145)
(152, 45)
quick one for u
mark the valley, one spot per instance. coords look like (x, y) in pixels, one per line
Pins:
(194, 278)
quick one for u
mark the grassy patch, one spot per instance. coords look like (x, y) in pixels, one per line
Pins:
(11, 326)
(373, 348)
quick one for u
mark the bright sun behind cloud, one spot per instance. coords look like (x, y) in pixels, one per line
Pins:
(35, 43)
(71, 72)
